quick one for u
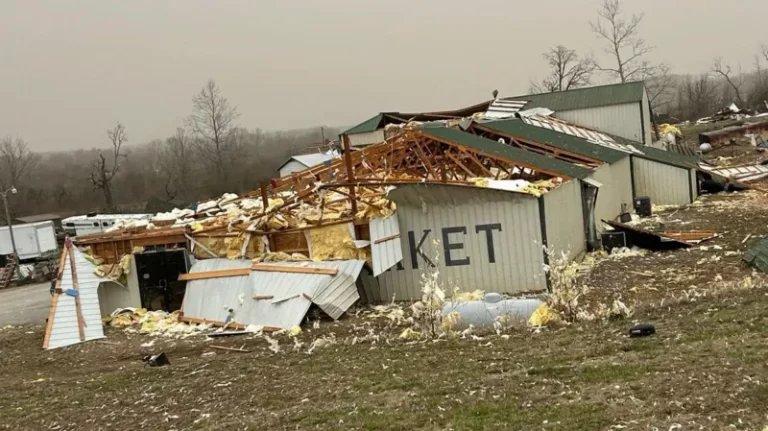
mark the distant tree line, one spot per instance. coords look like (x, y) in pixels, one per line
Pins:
(211, 153)
(627, 58)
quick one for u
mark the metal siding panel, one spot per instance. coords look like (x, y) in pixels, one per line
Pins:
(211, 298)
(46, 237)
(385, 254)
(664, 184)
(564, 216)
(622, 177)
(64, 329)
(622, 120)
(363, 139)
(291, 167)
(518, 259)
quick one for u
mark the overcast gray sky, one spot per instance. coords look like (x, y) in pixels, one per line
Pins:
(70, 69)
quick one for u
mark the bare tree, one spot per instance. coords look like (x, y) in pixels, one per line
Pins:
(175, 160)
(213, 123)
(660, 85)
(566, 71)
(697, 97)
(16, 161)
(735, 82)
(764, 51)
(622, 42)
(104, 171)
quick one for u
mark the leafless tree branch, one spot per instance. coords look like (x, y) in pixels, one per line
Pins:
(734, 81)
(102, 173)
(566, 71)
(622, 42)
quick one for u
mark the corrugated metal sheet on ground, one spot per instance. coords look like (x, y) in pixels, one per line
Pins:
(211, 298)
(743, 173)
(387, 253)
(64, 329)
(501, 108)
(580, 132)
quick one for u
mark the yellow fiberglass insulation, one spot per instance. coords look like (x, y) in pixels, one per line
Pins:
(229, 247)
(335, 243)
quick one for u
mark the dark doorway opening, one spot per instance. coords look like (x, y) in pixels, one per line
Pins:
(158, 273)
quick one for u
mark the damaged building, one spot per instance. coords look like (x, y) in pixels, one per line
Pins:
(484, 195)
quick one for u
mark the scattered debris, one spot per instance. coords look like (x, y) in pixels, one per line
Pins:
(158, 360)
(642, 330)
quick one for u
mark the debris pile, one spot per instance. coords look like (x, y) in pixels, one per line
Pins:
(153, 323)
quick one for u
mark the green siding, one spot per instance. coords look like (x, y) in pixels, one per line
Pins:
(502, 150)
(367, 126)
(583, 98)
(563, 141)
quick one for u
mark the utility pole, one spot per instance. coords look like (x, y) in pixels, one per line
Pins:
(4, 195)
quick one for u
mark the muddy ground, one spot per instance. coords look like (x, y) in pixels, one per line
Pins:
(706, 368)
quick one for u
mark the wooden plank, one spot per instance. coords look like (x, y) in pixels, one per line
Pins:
(75, 286)
(294, 269)
(387, 238)
(238, 272)
(230, 349)
(55, 298)
(260, 297)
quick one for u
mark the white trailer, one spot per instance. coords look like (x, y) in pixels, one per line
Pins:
(33, 240)
(88, 224)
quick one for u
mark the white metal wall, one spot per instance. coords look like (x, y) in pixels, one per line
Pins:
(467, 217)
(564, 216)
(363, 139)
(664, 184)
(616, 190)
(291, 167)
(622, 120)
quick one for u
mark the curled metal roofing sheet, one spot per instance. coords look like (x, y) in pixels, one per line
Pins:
(291, 293)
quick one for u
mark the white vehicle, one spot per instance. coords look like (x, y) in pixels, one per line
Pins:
(33, 240)
(88, 224)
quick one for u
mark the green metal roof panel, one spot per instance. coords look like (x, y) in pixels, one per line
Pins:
(367, 126)
(757, 255)
(502, 150)
(563, 141)
(583, 98)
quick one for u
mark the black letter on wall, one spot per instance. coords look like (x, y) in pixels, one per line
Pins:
(447, 246)
(416, 249)
(489, 228)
